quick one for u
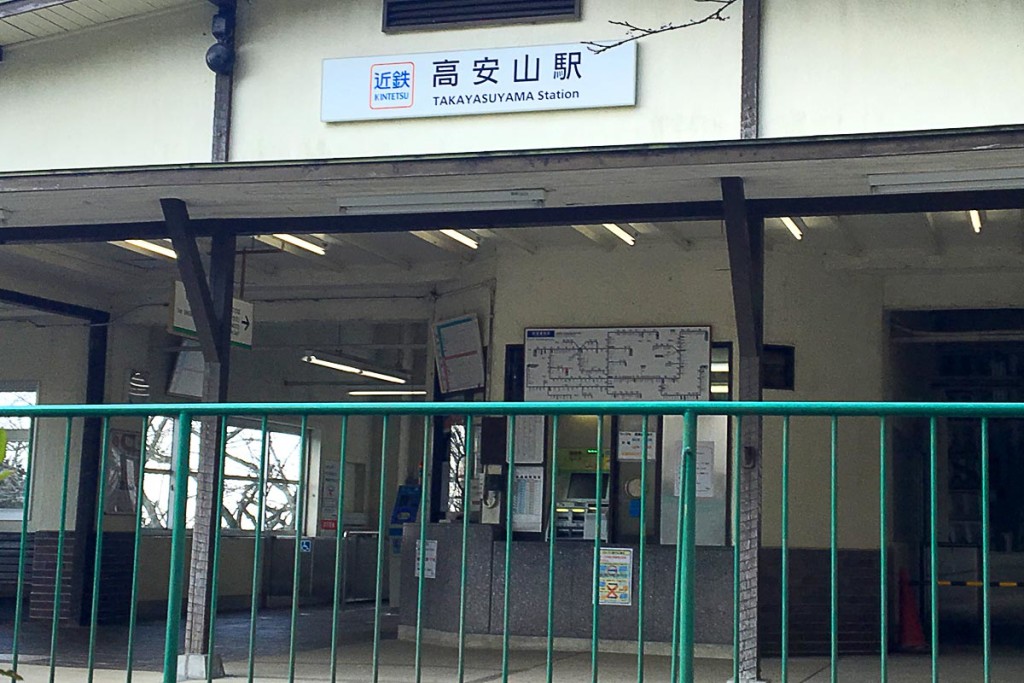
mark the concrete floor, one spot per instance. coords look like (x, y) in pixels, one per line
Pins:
(397, 657)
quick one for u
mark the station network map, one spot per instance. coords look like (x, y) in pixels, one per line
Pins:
(622, 363)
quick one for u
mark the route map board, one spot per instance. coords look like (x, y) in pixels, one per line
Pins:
(618, 363)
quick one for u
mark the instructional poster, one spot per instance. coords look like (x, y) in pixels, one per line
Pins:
(615, 578)
(459, 353)
(529, 440)
(122, 471)
(528, 499)
(429, 561)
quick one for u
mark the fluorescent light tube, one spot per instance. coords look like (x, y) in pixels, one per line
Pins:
(153, 247)
(385, 392)
(459, 237)
(720, 367)
(301, 243)
(793, 227)
(975, 219)
(342, 365)
(620, 233)
(423, 202)
(719, 388)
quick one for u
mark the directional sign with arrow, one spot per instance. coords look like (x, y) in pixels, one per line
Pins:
(182, 322)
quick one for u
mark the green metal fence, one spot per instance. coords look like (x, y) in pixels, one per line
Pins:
(681, 665)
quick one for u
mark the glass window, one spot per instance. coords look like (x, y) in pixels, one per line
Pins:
(15, 445)
(240, 510)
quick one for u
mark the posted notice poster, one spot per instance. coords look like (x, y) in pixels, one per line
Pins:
(615, 578)
(459, 354)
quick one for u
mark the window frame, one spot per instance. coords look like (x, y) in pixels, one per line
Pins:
(575, 15)
(28, 436)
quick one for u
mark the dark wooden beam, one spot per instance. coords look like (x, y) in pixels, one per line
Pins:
(744, 232)
(12, 8)
(193, 275)
(522, 218)
(750, 71)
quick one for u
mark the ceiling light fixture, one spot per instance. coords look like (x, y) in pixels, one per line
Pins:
(975, 220)
(719, 366)
(147, 246)
(344, 365)
(719, 388)
(425, 202)
(793, 227)
(459, 237)
(620, 233)
(383, 392)
(301, 243)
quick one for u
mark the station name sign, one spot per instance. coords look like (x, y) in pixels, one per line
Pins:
(492, 81)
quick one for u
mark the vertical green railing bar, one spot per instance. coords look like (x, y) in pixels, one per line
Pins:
(97, 564)
(422, 555)
(26, 492)
(785, 549)
(552, 533)
(933, 532)
(215, 573)
(678, 587)
(689, 539)
(58, 576)
(643, 545)
(596, 592)
(833, 547)
(338, 549)
(176, 575)
(737, 464)
(381, 537)
(133, 613)
(883, 556)
(985, 574)
(463, 576)
(300, 527)
(509, 521)
(257, 552)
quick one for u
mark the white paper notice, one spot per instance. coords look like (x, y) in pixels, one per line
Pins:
(631, 445)
(429, 562)
(705, 471)
(528, 499)
(529, 439)
(460, 356)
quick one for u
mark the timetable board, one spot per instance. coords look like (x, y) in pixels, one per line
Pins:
(618, 364)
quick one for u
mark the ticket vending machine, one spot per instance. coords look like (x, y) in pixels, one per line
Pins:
(576, 506)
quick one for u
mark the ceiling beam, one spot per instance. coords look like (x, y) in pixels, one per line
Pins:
(316, 260)
(938, 241)
(364, 243)
(509, 236)
(522, 218)
(12, 8)
(67, 259)
(667, 230)
(598, 235)
(442, 242)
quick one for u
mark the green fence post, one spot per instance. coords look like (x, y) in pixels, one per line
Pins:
(98, 550)
(737, 465)
(422, 554)
(883, 576)
(215, 573)
(689, 539)
(338, 549)
(381, 538)
(643, 545)
(833, 551)
(933, 532)
(985, 573)
(176, 578)
(785, 549)
(26, 492)
(58, 578)
(463, 574)
(257, 552)
(595, 632)
(509, 522)
(300, 527)
(134, 609)
(552, 534)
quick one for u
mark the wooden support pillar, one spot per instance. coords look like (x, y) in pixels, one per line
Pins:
(211, 304)
(745, 237)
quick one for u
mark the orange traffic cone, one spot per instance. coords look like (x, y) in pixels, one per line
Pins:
(911, 632)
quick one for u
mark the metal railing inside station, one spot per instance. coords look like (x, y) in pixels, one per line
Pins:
(682, 665)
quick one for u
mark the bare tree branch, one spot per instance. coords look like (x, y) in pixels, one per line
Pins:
(634, 32)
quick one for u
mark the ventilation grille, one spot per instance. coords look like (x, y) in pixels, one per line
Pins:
(411, 15)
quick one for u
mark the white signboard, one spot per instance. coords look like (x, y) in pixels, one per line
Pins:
(615, 582)
(529, 440)
(489, 81)
(184, 324)
(528, 499)
(429, 562)
(631, 445)
(329, 471)
(705, 471)
(618, 364)
(459, 354)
